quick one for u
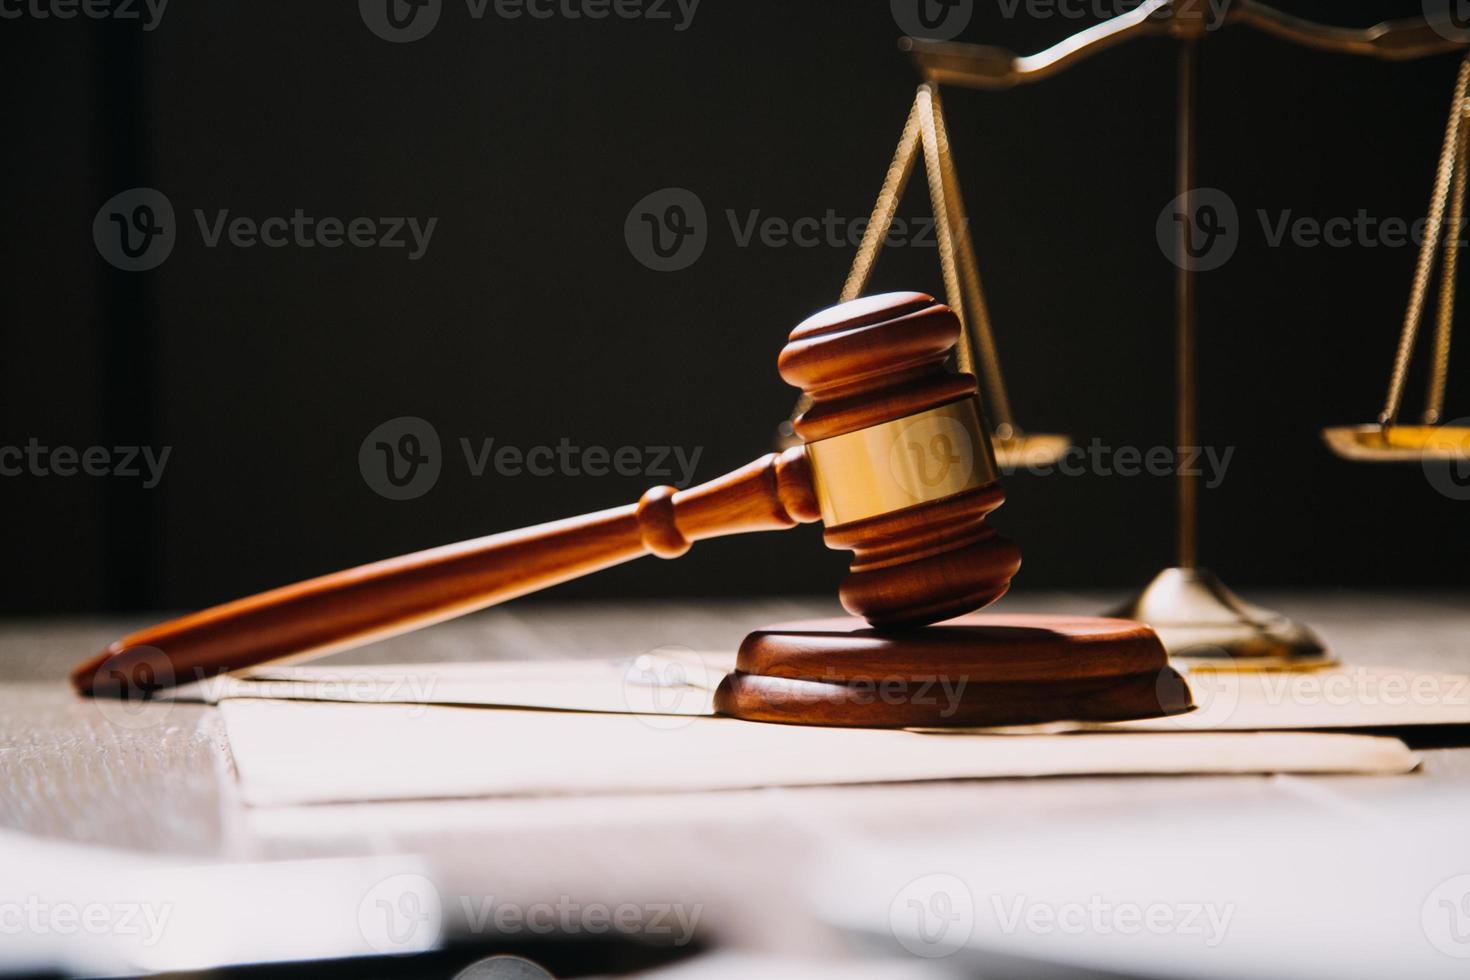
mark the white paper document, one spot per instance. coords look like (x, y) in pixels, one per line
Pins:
(664, 681)
(680, 681)
(294, 752)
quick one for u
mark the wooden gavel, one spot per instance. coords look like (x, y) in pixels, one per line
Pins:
(896, 463)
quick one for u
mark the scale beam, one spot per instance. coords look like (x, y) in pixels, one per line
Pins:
(1392, 40)
(988, 67)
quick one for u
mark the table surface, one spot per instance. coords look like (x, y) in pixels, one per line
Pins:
(69, 773)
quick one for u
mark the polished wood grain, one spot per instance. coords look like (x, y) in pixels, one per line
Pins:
(864, 362)
(925, 704)
(356, 606)
(874, 360)
(926, 563)
(877, 360)
(980, 670)
(980, 648)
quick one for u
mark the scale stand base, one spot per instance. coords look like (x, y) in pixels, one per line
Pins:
(1202, 622)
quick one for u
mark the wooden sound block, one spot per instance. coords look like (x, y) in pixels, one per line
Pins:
(975, 671)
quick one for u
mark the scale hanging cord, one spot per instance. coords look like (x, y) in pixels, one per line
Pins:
(1450, 161)
(894, 183)
(1434, 405)
(1388, 441)
(978, 320)
(943, 232)
(925, 131)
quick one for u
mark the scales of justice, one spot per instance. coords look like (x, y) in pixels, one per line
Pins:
(892, 452)
(1195, 614)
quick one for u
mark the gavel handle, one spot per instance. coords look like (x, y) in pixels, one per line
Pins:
(352, 607)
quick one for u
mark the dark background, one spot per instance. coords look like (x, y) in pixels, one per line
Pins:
(528, 320)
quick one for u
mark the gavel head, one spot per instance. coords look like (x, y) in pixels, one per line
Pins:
(901, 459)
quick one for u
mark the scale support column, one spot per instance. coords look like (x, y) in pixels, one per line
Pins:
(1194, 613)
